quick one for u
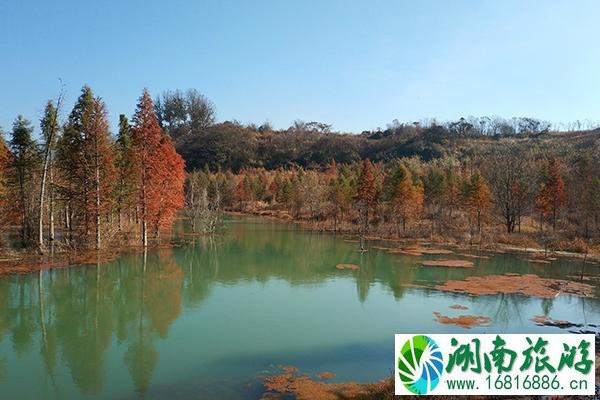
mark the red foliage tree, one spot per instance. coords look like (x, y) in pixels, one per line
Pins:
(6, 212)
(367, 196)
(551, 196)
(241, 194)
(167, 189)
(158, 169)
(407, 201)
(477, 198)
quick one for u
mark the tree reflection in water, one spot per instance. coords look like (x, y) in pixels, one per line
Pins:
(71, 317)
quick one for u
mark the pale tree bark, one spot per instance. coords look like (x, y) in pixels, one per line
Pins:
(51, 233)
(47, 163)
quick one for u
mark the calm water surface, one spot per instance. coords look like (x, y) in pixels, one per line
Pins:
(206, 320)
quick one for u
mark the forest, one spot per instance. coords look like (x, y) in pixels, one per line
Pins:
(483, 181)
(475, 180)
(78, 187)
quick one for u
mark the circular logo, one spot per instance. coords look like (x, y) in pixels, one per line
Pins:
(420, 364)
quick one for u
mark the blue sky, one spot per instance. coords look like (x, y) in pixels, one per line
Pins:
(354, 64)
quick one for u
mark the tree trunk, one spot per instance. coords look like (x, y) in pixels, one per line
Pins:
(51, 235)
(40, 233)
(144, 212)
(97, 177)
(24, 221)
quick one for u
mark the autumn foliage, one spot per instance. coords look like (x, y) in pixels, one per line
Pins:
(157, 168)
(5, 158)
(82, 187)
(551, 195)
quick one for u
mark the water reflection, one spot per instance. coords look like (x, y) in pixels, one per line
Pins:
(80, 325)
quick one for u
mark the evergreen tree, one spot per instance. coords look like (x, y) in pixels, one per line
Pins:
(24, 162)
(75, 187)
(99, 161)
(124, 164)
(86, 161)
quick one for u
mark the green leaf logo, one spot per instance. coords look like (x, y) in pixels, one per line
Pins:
(420, 364)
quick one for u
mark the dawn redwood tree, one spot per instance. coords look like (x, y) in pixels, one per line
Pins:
(477, 198)
(86, 162)
(407, 197)
(158, 169)
(167, 186)
(100, 164)
(146, 137)
(24, 162)
(337, 198)
(5, 161)
(74, 186)
(434, 184)
(241, 194)
(451, 194)
(367, 196)
(551, 196)
(124, 165)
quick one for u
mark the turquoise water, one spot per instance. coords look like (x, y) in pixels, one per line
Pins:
(208, 319)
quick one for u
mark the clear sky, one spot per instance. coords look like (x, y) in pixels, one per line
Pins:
(354, 64)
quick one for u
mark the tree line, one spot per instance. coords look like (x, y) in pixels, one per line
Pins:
(83, 188)
(508, 190)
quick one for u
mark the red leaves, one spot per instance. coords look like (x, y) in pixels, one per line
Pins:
(551, 197)
(408, 197)
(368, 188)
(7, 212)
(158, 169)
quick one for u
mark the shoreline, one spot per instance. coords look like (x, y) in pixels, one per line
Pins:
(29, 262)
(292, 382)
(497, 248)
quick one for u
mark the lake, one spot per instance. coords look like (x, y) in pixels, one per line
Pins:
(207, 320)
